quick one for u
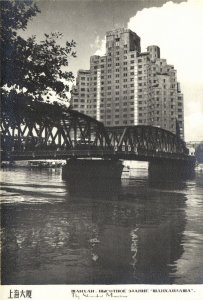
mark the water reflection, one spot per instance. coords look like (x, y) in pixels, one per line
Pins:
(77, 236)
(94, 189)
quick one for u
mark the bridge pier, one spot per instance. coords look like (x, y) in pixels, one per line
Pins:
(184, 169)
(88, 169)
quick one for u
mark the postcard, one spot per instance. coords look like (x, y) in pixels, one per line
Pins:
(101, 149)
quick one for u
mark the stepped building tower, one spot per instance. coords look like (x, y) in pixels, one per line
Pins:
(130, 87)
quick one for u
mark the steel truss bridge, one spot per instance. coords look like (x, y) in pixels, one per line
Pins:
(53, 132)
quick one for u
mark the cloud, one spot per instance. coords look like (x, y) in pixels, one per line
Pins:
(99, 46)
(178, 29)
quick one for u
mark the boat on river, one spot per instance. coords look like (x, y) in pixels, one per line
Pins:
(44, 164)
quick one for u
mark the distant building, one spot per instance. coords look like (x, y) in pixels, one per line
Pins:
(196, 148)
(127, 87)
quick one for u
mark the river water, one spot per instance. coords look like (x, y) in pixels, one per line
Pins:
(141, 230)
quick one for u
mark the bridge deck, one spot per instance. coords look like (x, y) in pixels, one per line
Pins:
(104, 153)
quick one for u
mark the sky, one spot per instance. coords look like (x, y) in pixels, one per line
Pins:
(175, 26)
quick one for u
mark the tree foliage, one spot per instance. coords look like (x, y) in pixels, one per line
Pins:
(30, 70)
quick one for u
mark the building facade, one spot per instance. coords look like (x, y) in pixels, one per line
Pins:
(128, 87)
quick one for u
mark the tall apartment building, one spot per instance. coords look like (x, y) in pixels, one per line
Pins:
(128, 87)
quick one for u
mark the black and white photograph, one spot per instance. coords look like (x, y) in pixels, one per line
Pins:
(101, 148)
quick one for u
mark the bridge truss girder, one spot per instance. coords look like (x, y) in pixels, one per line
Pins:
(44, 128)
(145, 139)
(49, 129)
